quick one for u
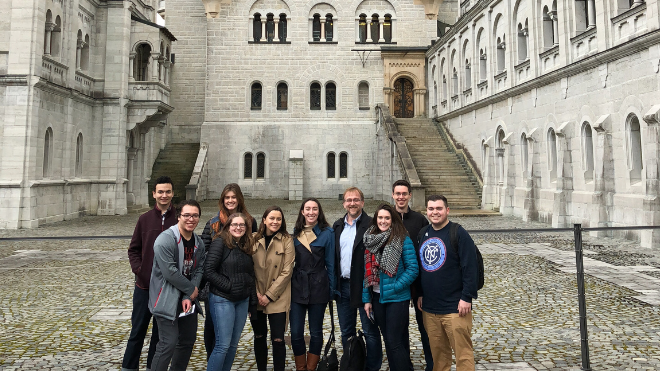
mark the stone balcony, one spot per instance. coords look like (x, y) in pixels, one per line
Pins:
(54, 71)
(154, 91)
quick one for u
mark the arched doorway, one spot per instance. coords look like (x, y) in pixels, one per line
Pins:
(404, 106)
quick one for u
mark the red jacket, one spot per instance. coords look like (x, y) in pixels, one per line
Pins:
(141, 249)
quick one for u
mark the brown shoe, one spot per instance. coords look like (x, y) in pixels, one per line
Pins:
(312, 361)
(301, 363)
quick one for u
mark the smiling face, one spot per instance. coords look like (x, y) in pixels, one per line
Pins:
(189, 218)
(401, 197)
(237, 227)
(384, 220)
(311, 212)
(273, 222)
(230, 201)
(163, 195)
(353, 204)
(437, 213)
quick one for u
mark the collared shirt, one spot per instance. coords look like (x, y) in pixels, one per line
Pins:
(346, 241)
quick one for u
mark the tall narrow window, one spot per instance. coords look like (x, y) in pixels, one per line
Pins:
(522, 43)
(256, 96)
(331, 165)
(343, 165)
(329, 30)
(387, 28)
(483, 72)
(56, 38)
(468, 75)
(282, 28)
(444, 87)
(363, 95)
(587, 152)
(552, 155)
(79, 155)
(330, 96)
(581, 16)
(315, 96)
(524, 155)
(454, 81)
(84, 59)
(375, 28)
(634, 139)
(48, 31)
(548, 32)
(270, 27)
(282, 96)
(362, 28)
(247, 166)
(501, 46)
(48, 153)
(256, 27)
(141, 63)
(316, 27)
(261, 165)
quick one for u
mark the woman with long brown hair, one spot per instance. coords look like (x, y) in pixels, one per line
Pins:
(273, 265)
(390, 269)
(230, 271)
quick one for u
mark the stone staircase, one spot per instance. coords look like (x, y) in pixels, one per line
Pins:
(176, 160)
(440, 170)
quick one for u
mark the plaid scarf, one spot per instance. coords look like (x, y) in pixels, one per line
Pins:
(380, 256)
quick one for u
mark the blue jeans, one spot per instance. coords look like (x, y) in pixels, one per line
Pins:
(348, 321)
(228, 322)
(297, 318)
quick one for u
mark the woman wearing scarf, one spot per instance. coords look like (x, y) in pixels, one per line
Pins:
(390, 269)
(231, 201)
(313, 281)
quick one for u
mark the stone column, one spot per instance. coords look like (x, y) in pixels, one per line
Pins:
(651, 238)
(263, 29)
(251, 28)
(323, 39)
(130, 157)
(79, 46)
(555, 27)
(131, 66)
(561, 216)
(50, 27)
(296, 174)
(276, 37)
(499, 155)
(591, 13)
(393, 26)
(381, 20)
(155, 67)
(166, 78)
(369, 31)
(357, 30)
(602, 168)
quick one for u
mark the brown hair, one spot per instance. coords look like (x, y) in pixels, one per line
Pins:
(353, 189)
(437, 198)
(224, 213)
(245, 242)
(397, 227)
(262, 226)
(300, 222)
(401, 182)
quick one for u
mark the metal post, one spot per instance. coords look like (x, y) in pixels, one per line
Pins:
(579, 265)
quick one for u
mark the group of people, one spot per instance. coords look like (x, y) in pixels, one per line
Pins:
(242, 267)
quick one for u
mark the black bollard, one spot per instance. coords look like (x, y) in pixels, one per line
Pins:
(579, 265)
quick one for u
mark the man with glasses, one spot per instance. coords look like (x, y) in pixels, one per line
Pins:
(349, 248)
(141, 257)
(175, 278)
(414, 222)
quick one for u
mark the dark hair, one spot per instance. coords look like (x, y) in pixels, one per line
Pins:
(245, 242)
(300, 222)
(401, 182)
(353, 189)
(163, 180)
(437, 198)
(183, 203)
(240, 208)
(262, 226)
(397, 227)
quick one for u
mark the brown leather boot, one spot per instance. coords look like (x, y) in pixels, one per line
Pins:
(301, 363)
(312, 361)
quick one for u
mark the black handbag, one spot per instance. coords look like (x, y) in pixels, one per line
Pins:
(329, 360)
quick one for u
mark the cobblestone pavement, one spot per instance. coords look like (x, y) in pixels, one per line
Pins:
(65, 305)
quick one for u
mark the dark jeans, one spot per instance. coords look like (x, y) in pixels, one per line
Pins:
(175, 343)
(209, 331)
(393, 319)
(428, 357)
(277, 327)
(140, 319)
(348, 321)
(297, 318)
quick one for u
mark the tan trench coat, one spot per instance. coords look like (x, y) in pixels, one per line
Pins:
(273, 269)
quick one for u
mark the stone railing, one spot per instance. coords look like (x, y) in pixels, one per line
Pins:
(54, 71)
(84, 83)
(463, 154)
(630, 23)
(149, 91)
(549, 58)
(196, 188)
(406, 165)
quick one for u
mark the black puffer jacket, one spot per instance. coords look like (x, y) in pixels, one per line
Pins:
(230, 273)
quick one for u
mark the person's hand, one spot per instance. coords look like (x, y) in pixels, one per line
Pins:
(263, 300)
(367, 309)
(419, 303)
(464, 308)
(194, 294)
(186, 304)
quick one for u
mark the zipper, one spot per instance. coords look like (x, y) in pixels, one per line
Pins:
(158, 297)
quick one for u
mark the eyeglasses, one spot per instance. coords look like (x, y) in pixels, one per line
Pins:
(237, 225)
(352, 200)
(190, 216)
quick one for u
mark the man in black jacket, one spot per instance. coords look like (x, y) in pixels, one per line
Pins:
(414, 222)
(349, 263)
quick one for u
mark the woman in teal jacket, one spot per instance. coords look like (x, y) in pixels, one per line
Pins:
(390, 269)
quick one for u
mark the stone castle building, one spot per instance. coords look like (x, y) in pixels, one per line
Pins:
(555, 101)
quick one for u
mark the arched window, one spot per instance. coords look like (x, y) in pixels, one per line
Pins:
(468, 75)
(362, 28)
(141, 64)
(256, 27)
(587, 152)
(484, 154)
(634, 144)
(343, 165)
(454, 81)
(444, 87)
(247, 166)
(548, 32)
(585, 15)
(270, 27)
(79, 155)
(84, 55)
(483, 71)
(331, 165)
(48, 153)
(316, 27)
(315, 96)
(552, 155)
(435, 93)
(282, 31)
(48, 32)
(387, 28)
(524, 155)
(255, 96)
(56, 38)
(501, 46)
(261, 165)
(375, 28)
(330, 96)
(282, 96)
(329, 27)
(363, 95)
(522, 42)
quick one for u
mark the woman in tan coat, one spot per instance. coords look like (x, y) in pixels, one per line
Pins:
(273, 265)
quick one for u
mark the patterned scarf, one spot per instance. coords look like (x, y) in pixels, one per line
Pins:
(378, 255)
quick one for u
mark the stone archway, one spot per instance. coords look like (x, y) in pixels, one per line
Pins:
(404, 99)
(404, 87)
